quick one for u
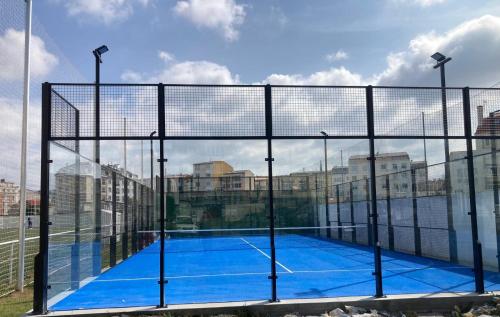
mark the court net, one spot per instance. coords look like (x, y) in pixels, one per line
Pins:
(232, 239)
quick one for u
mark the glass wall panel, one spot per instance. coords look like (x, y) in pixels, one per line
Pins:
(217, 246)
(317, 249)
(424, 227)
(98, 264)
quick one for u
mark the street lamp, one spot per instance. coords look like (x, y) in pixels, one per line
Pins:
(441, 60)
(97, 185)
(328, 233)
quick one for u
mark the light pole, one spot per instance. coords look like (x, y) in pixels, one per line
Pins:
(328, 233)
(24, 147)
(441, 60)
(96, 250)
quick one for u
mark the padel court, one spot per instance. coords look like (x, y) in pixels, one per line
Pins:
(236, 268)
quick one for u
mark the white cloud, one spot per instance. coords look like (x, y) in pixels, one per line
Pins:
(187, 72)
(166, 56)
(105, 11)
(221, 15)
(337, 56)
(422, 3)
(10, 147)
(473, 46)
(333, 76)
(12, 61)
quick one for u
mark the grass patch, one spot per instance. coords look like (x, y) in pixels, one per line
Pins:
(17, 303)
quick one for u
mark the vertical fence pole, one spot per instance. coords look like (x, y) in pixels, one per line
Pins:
(41, 259)
(416, 228)
(269, 133)
(112, 240)
(75, 248)
(11, 264)
(390, 229)
(96, 247)
(161, 129)
(134, 218)
(141, 218)
(496, 197)
(125, 218)
(339, 224)
(368, 216)
(452, 235)
(353, 232)
(373, 193)
(476, 244)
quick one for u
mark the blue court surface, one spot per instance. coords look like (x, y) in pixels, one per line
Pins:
(236, 268)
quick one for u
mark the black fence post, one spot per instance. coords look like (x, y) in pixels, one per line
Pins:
(373, 194)
(41, 259)
(125, 218)
(75, 248)
(476, 244)
(339, 224)
(161, 129)
(96, 246)
(134, 218)
(269, 134)
(390, 229)
(112, 240)
(416, 228)
(368, 216)
(141, 218)
(351, 195)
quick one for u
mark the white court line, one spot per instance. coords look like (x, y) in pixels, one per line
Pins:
(265, 254)
(264, 273)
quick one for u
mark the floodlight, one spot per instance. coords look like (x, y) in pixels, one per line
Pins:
(152, 133)
(102, 49)
(324, 133)
(99, 51)
(438, 57)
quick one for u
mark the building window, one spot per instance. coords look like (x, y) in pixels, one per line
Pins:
(394, 166)
(383, 166)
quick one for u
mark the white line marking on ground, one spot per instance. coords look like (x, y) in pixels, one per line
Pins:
(265, 273)
(267, 256)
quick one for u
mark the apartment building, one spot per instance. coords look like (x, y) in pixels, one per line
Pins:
(206, 175)
(9, 198)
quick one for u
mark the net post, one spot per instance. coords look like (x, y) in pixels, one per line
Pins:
(368, 216)
(134, 218)
(269, 134)
(112, 242)
(41, 259)
(476, 244)
(339, 229)
(373, 194)
(125, 218)
(141, 217)
(353, 232)
(390, 229)
(416, 228)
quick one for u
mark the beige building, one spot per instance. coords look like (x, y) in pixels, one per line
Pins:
(9, 198)
(107, 182)
(207, 175)
(238, 180)
(396, 164)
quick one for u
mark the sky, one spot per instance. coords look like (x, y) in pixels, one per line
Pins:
(322, 42)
